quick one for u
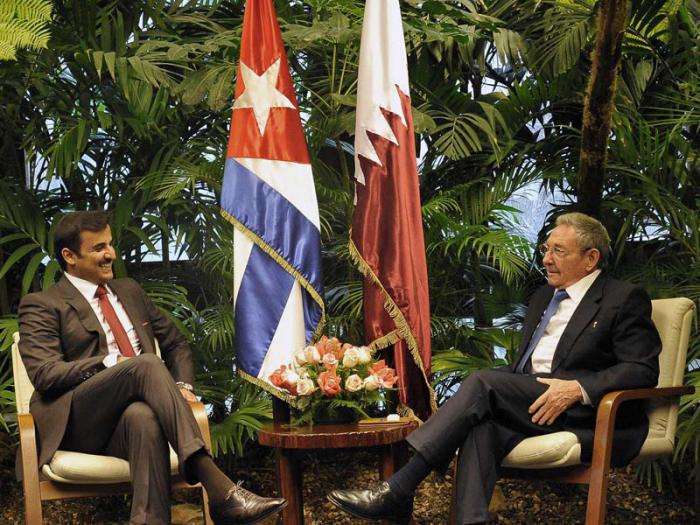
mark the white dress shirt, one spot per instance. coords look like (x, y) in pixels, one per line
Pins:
(543, 354)
(88, 290)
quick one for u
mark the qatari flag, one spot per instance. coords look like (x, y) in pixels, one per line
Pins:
(268, 194)
(386, 239)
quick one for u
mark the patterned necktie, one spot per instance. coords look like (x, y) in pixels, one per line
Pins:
(114, 323)
(558, 297)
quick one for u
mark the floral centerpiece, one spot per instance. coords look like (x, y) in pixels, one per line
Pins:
(334, 381)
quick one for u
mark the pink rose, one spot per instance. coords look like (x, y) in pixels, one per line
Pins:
(285, 379)
(329, 382)
(385, 375)
(329, 360)
(332, 345)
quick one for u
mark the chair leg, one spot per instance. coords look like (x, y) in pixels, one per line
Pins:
(205, 508)
(32, 503)
(597, 495)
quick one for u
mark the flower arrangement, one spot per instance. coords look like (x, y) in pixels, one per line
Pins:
(333, 380)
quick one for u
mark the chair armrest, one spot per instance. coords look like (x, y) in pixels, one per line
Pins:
(200, 416)
(607, 413)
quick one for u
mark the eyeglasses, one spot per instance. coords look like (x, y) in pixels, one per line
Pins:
(557, 252)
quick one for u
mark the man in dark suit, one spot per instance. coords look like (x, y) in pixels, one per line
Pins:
(585, 334)
(88, 344)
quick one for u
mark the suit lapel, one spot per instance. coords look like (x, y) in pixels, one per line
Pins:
(82, 308)
(584, 313)
(135, 313)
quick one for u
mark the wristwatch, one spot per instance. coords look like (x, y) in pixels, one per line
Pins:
(185, 386)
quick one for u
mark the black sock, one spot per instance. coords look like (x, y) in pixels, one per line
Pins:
(216, 483)
(406, 480)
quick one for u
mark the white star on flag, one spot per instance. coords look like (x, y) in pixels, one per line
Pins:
(261, 93)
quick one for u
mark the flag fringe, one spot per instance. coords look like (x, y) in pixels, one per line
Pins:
(303, 281)
(403, 331)
(385, 340)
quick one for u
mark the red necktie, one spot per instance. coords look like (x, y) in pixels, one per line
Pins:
(114, 324)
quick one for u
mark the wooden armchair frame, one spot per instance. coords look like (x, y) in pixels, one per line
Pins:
(596, 475)
(36, 490)
(673, 319)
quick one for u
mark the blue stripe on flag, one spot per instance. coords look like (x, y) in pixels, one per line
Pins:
(282, 225)
(312, 314)
(260, 302)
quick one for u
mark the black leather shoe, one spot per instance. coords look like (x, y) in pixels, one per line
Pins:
(377, 503)
(242, 507)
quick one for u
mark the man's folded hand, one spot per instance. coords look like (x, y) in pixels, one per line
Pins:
(560, 395)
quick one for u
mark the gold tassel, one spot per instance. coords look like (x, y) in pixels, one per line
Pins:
(403, 331)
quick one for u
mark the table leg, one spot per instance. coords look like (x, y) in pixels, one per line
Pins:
(393, 457)
(289, 479)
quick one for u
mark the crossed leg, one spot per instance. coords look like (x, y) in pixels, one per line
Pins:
(133, 410)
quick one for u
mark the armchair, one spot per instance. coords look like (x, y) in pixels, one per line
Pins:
(74, 474)
(557, 456)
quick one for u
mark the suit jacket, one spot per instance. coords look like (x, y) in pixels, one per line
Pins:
(610, 343)
(62, 344)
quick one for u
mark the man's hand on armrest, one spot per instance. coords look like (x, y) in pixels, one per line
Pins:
(187, 391)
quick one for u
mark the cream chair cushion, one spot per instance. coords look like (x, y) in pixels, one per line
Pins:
(560, 449)
(79, 468)
(673, 320)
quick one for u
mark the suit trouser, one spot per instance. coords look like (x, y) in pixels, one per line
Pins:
(486, 418)
(133, 410)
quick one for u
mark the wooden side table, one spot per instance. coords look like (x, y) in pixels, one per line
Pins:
(288, 440)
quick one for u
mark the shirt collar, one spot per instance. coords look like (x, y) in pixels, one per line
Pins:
(86, 288)
(577, 290)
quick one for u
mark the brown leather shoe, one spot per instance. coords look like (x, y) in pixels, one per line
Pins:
(242, 507)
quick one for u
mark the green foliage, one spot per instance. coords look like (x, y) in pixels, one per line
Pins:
(23, 24)
(8, 326)
(321, 410)
(129, 110)
(252, 408)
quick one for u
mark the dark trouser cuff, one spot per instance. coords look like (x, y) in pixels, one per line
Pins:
(187, 451)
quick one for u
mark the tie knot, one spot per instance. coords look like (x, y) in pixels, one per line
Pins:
(560, 295)
(101, 291)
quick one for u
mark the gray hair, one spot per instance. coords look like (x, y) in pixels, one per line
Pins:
(591, 233)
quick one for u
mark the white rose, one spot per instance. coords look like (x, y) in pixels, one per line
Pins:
(300, 356)
(353, 383)
(364, 355)
(371, 383)
(351, 357)
(330, 360)
(305, 387)
(291, 377)
(312, 355)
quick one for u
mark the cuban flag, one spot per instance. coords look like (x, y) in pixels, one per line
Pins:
(268, 194)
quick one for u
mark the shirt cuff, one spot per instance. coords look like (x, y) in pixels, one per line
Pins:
(110, 360)
(586, 400)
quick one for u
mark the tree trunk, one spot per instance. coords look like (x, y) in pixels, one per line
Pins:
(598, 104)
